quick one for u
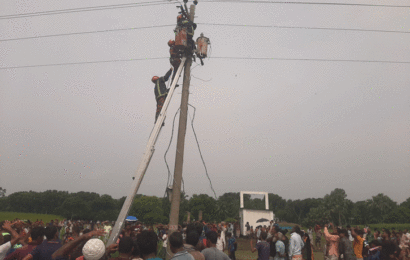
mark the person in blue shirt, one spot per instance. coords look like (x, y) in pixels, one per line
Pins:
(232, 244)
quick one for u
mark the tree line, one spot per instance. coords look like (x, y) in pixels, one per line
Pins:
(334, 207)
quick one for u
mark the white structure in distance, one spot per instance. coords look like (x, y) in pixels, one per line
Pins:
(253, 215)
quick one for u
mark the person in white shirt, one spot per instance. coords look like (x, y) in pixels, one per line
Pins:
(164, 244)
(5, 247)
(295, 244)
(220, 244)
(310, 233)
(258, 234)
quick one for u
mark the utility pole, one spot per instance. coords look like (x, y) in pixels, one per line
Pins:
(179, 158)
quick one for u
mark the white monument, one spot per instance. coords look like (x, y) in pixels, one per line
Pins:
(253, 215)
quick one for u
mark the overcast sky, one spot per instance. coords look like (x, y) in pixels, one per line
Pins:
(295, 128)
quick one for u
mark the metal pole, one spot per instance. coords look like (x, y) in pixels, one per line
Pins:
(142, 168)
(179, 158)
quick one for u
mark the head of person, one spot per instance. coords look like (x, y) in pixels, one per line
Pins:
(196, 227)
(154, 79)
(176, 242)
(126, 245)
(94, 249)
(5, 237)
(283, 232)
(264, 235)
(76, 230)
(37, 234)
(228, 234)
(275, 229)
(192, 238)
(50, 232)
(296, 229)
(147, 243)
(212, 238)
(386, 234)
(342, 233)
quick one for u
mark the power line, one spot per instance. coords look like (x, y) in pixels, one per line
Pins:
(299, 59)
(79, 63)
(153, 3)
(303, 27)
(199, 149)
(302, 3)
(89, 32)
(169, 145)
(227, 58)
(209, 24)
(86, 9)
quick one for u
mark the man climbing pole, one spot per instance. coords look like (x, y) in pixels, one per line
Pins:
(184, 24)
(175, 57)
(160, 91)
(190, 27)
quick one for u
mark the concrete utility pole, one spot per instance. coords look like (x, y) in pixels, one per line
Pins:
(179, 158)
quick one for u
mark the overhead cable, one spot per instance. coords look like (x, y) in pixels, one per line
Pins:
(79, 63)
(89, 32)
(300, 59)
(86, 9)
(210, 24)
(227, 58)
(169, 145)
(303, 3)
(304, 27)
(153, 3)
(199, 149)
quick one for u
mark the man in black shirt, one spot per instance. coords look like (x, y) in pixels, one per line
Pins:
(160, 91)
(389, 249)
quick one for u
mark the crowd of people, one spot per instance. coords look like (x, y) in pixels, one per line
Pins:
(356, 243)
(86, 240)
(345, 243)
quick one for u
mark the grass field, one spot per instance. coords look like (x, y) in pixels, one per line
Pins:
(244, 251)
(28, 216)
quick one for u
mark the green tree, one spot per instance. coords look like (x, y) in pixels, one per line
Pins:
(337, 206)
(75, 208)
(406, 203)
(2, 192)
(104, 208)
(361, 212)
(143, 205)
(380, 206)
(276, 202)
(399, 215)
(229, 203)
(205, 203)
